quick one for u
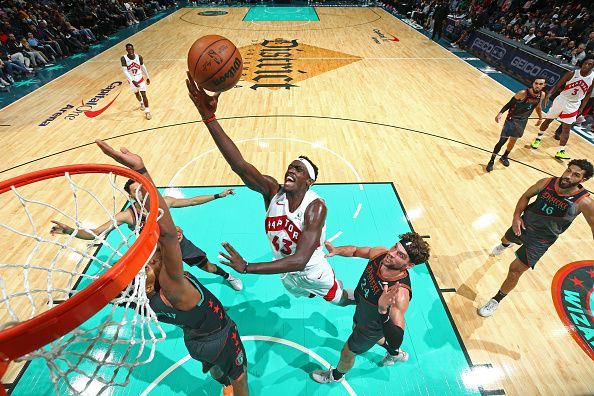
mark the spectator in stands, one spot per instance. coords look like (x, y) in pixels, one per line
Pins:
(43, 48)
(477, 21)
(578, 54)
(18, 52)
(549, 45)
(531, 35)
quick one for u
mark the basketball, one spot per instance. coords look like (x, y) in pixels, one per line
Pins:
(214, 63)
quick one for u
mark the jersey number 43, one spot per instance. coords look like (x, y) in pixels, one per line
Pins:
(286, 248)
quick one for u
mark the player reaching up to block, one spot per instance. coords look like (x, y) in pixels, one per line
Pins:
(177, 297)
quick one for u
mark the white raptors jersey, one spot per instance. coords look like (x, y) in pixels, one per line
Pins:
(133, 66)
(576, 88)
(284, 228)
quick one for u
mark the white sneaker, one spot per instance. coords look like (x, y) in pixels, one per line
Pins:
(235, 283)
(497, 250)
(488, 308)
(580, 119)
(148, 115)
(325, 376)
(142, 106)
(389, 360)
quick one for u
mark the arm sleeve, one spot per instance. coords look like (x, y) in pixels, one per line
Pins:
(126, 73)
(508, 105)
(143, 67)
(393, 333)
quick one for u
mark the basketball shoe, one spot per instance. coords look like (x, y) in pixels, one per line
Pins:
(228, 390)
(561, 154)
(389, 360)
(488, 309)
(535, 143)
(235, 283)
(497, 250)
(148, 115)
(325, 376)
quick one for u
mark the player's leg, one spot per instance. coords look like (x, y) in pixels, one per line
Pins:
(510, 145)
(564, 138)
(147, 111)
(207, 266)
(496, 149)
(360, 341)
(240, 385)
(555, 111)
(516, 270)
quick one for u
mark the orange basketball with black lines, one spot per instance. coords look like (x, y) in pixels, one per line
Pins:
(215, 63)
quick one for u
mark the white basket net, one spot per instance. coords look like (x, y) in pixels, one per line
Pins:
(42, 270)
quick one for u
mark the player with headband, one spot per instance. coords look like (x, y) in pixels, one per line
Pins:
(383, 294)
(295, 217)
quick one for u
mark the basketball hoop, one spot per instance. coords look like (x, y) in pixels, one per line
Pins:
(122, 283)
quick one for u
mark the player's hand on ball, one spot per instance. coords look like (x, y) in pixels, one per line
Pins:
(124, 156)
(206, 104)
(234, 260)
(330, 248)
(388, 298)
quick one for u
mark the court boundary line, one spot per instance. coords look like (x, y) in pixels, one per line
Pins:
(446, 307)
(277, 340)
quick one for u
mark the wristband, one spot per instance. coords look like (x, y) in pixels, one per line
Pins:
(210, 119)
(141, 170)
(217, 196)
(245, 268)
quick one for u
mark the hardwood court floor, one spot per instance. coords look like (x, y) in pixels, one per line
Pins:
(364, 109)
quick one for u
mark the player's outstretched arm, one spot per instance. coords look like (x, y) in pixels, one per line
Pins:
(120, 218)
(207, 106)
(354, 251)
(315, 216)
(197, 200)
(171, 277)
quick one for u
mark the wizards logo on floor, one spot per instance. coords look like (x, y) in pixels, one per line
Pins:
(572, 294)
(282, 63)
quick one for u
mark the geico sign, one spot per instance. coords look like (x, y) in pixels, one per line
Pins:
(495, 51)
(534, 70)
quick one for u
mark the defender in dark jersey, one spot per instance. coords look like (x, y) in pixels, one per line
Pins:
(382, 296)
(536, 226)
(178, 298)
(520, 108)
(191, 254)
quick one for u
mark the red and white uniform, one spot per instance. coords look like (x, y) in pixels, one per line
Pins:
(283, 229)
(135, 72)
(567, 104)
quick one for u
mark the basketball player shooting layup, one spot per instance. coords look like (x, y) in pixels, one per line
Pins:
(133, 67)
(177, 297)
(295, 219)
